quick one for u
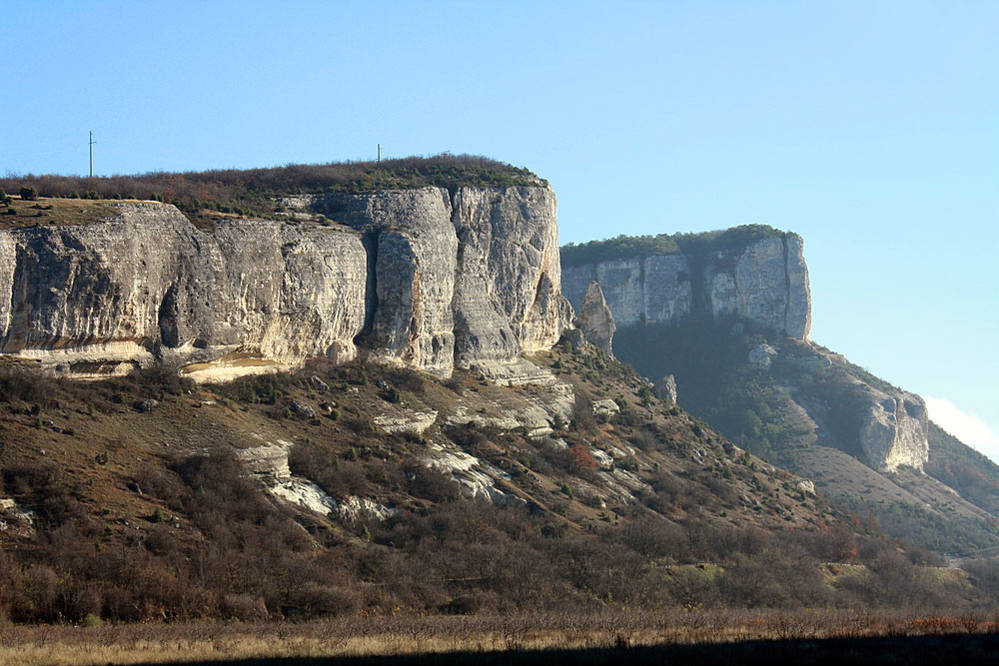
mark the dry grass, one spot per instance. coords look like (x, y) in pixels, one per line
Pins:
(396, 636)
(62, 212)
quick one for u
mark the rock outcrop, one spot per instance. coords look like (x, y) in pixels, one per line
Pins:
(883, 426)
(764, 283)
(665, 389)
(595, 319)
(762, 356)
(422, 278)
(895, 431)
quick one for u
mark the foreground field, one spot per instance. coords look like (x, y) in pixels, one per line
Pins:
(592, 639)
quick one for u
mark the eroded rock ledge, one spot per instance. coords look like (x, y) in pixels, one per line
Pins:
(423, 278)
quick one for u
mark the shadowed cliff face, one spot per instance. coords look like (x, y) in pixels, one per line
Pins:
(764, 283)
(397, 278)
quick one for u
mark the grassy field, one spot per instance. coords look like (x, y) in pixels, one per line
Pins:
(591, 639)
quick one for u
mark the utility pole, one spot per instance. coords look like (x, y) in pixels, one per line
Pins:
(91, 153)
(379, 152)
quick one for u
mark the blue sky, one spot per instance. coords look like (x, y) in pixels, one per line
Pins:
(870, 128)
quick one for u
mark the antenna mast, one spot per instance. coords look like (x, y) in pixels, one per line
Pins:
(91, 153)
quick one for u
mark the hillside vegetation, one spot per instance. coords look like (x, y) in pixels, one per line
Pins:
(256, 192)
(623, 247)
(804, 412)
(129, 501)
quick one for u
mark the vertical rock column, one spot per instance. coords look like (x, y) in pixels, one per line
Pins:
(595, 319)
(412, 253)
(507, 297)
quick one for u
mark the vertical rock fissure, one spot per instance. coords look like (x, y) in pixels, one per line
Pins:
(452, 194)
(167, 318)
(370, 243)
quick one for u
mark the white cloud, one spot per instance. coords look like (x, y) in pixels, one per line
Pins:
(968, 428)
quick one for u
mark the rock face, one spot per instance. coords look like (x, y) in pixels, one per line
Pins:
(411, 249)
(595, 319)
(422, 278)
(666, 389)
(895, 432)
(508, 294)
(764, 283)
(147, 285)
(469, 278)
(883, 426)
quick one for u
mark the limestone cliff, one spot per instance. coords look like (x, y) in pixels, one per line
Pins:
(764, 282)
(666, 304)
(470, 277)
(421, 278)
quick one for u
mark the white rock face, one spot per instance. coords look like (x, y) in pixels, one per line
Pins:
(889, 426)
(895, 431)
(477, 477)
(765, 283)
(424, 279)
(147, 286)
(606, 407)
(269, 464)
(539, 408)
(413, 249)
(666, 389)
(508, 296)
(406, 421)
(460, 279)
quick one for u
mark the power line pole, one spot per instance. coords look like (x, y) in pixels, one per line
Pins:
(91, 153)
(379, 152)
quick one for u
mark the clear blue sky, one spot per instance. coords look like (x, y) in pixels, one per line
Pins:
(870, 128)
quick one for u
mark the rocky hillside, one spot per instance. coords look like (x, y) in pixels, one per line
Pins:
(361, 488)
(742, 362)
